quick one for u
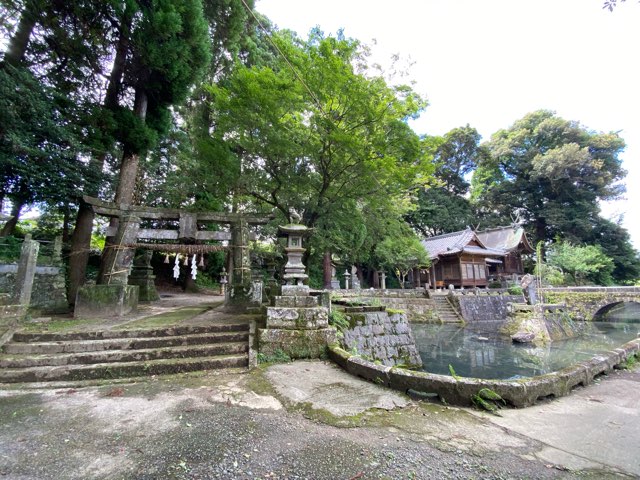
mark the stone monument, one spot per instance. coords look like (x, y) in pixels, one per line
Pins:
(142, 276)
(528, 284)
(355, 280)
(335, 283)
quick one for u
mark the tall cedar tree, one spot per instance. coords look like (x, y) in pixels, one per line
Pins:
(169, 52)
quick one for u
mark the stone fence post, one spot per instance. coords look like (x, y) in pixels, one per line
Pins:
(26, 272)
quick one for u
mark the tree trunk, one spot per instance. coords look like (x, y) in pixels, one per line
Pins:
(189, 283)
(375, 279)
(327, 269)
(126, 186)
(20, 41)
(80, 245)
(131, 160)
(65, 224)
(81, 237)
(10, 226)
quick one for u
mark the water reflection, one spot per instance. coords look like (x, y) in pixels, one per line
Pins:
(479, 351)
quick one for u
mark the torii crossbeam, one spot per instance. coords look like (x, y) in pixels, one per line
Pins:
(118, 256)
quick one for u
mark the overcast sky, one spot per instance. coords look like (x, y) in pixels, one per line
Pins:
(489, 62)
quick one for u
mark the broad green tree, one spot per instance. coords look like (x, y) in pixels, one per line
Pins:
(552, 173)
(615, 242)
(581, 263)
(402, 253)
(444, 206)
(315, 131)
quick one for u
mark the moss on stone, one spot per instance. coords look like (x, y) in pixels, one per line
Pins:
(169, 318)
(325, 417)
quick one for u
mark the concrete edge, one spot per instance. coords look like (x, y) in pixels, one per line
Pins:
(458, 391)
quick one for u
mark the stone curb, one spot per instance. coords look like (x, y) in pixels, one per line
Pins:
(458, 391)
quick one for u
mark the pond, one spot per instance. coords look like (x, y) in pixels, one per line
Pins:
(479, 351)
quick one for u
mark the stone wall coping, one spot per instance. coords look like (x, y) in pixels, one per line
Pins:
(481, 292)
(376, 292)
(522, 392)
(591, 289)
(13, 268)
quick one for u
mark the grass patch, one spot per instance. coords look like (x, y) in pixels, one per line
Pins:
(338, 319)
(630, 363)
(278, 356)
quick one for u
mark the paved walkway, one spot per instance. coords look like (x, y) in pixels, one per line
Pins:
(308, 420)
(597, 427)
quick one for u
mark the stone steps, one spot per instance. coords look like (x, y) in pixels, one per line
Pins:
(120, 369)
(135, 343)
(107, 334)
(446, 312)
(75, 356)
(109, 356)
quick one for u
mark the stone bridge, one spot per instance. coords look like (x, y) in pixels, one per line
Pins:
(584, 303)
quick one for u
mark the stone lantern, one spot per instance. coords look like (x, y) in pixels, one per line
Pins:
(294, 270)
(224, 279)
(346, 276)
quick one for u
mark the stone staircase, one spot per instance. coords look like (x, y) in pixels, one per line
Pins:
(446, 312)
(76, 356)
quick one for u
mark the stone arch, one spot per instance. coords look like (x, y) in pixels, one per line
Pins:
(602, 313)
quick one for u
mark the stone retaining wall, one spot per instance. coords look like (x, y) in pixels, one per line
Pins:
(518, 393)
(418, 309)
(415, 303)
(388, 293)
(483, 308)
(382, 337)
(48, 291)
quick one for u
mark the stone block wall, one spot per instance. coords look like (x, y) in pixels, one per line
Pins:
(418, 309)
(49, 290)
(382, 337)
(416, 303)
(485, 308)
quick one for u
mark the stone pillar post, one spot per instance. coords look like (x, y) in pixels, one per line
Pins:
(383, 280)
(57, 251)
(26, 272)
(241, 293)
(241, 274)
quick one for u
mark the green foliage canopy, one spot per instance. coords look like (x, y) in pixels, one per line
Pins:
(581, 263)
(552, 172)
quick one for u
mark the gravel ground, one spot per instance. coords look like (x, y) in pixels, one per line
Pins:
(234, 426)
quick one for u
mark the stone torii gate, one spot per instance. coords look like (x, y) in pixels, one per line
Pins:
(118, 256)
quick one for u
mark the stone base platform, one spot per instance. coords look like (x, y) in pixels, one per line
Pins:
(296, 343)
(106, 301)
(296, 325)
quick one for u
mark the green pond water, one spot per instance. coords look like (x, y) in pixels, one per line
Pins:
(478, 351)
